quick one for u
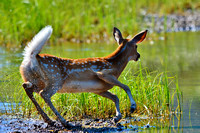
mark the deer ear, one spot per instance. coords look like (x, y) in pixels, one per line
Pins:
(117, 35)
(140, 37)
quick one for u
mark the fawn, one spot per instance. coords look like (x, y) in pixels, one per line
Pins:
(46, 74)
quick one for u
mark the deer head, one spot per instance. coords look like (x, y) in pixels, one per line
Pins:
(130, 44)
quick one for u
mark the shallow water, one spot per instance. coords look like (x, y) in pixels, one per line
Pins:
(177, 53)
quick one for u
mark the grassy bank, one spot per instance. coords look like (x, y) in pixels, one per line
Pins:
(82, 20)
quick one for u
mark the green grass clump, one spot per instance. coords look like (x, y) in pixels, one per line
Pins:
(11, 91)
(80, 19)
(153, 93)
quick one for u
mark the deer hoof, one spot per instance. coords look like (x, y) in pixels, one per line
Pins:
(51, 123)
(117, 118)
(68, 125)
(133, 108)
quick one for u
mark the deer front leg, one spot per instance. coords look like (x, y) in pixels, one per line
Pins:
(115, 99)
(28, 87)
(113, 80)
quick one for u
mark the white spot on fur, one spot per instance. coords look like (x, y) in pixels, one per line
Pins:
(94, 66)
(45, 65)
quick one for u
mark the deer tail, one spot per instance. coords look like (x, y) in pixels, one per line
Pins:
(35, 45)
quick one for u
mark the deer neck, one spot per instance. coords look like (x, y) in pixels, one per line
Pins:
(119, 59)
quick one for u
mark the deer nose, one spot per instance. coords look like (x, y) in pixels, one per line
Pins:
(138, 56)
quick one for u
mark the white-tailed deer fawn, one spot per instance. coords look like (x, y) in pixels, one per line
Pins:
(46, 74)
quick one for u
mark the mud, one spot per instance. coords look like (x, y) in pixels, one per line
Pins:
(16, 124)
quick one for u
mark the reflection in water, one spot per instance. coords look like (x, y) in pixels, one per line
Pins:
(190, 85)
(177, 53)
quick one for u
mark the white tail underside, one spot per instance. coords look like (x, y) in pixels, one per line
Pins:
(34, 47)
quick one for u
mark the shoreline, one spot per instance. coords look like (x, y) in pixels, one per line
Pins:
(10, 123)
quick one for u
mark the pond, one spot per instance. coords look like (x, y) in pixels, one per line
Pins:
(177, 53)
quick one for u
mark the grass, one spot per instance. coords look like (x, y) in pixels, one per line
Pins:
(153, 92)
(10, 94)
(83, 20)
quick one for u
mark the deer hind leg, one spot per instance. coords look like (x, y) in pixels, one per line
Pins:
(115, 99)
(29, 87)
(46, 95)
(112, 80)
